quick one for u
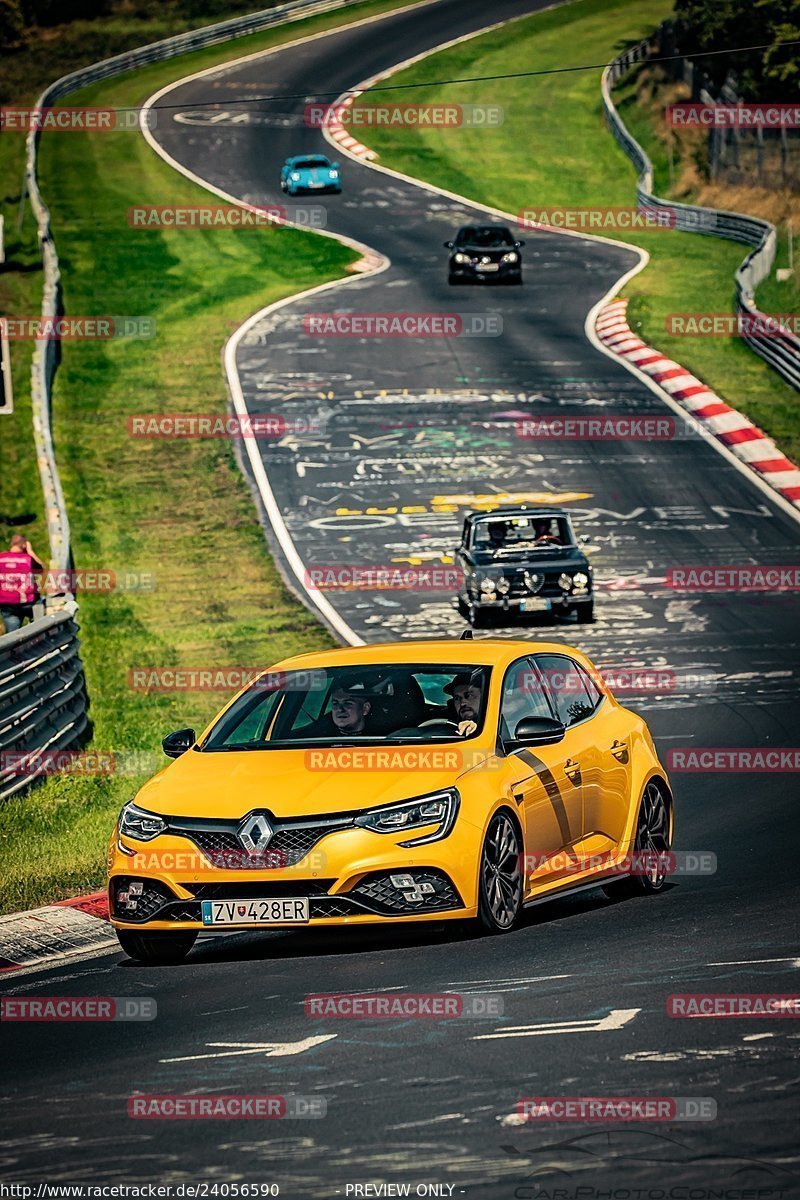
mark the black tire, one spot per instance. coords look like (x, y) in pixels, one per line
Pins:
(454, 280)
(585, 613)
(500, 881)
(163, 948)
(653, 836)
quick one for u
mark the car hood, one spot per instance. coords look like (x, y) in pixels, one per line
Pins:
(535, 559)
(230, 784)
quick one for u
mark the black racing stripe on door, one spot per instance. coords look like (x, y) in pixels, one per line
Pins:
(544, 773)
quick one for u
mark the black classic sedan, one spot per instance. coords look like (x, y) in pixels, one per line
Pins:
(481, 253)
(525, 560)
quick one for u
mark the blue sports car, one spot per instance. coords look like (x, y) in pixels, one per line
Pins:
(310, 173)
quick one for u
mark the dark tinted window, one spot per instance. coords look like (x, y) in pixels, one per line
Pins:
(485, 236)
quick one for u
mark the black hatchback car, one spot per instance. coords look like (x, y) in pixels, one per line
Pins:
(525, 560)
(482, 253)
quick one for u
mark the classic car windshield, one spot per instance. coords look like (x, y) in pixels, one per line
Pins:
(529, 533)
(354, 705)
(485, 236)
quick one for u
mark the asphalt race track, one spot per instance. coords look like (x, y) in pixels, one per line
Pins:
(429, 426)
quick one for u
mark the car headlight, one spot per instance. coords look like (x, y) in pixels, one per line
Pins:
(439, 809)
(461, 258)
(487, 585)
(295, 175)
(503, 585)
(580, 581)
(565, 581)
(135, 822)
(334, 174)
(512, 256)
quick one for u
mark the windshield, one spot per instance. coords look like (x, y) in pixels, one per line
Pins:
(510, 534)
(485, 236)
(347, 705)
(307, 164)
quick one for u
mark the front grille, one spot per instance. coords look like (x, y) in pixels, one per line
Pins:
(380, 895)
(289, 844)
(258, 890)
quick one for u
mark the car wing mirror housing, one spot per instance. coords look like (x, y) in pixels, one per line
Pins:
(538, 731)
(448, 245)
(177, 743)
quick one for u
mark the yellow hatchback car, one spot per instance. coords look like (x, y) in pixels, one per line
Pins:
(419, 781)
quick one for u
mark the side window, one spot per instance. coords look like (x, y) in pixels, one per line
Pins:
(523, 696)
(573, 692)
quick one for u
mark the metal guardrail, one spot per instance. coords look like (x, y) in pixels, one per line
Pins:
(43, 700)
(782, 351)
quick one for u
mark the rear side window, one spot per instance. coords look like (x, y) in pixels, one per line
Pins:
(574, 694)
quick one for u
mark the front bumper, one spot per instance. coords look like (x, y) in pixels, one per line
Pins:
(468, 271)
(563, 604)
(346, 877)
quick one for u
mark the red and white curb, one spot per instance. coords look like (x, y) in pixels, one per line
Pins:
(56, 933)
(744, 439)
(337, 132)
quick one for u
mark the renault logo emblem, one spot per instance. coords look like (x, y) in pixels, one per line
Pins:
(255, 833)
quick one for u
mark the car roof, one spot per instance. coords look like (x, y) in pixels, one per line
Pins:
(311, 154)
(524, 510)
(453, 652)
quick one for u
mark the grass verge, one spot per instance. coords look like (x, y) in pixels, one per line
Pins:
(179, 510)
(554, 149)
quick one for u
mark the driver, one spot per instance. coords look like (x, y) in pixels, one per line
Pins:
(543, 531)
(466, 690)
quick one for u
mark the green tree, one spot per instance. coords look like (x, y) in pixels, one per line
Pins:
(704, 27)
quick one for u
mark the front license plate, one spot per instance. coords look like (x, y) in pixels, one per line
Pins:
(288, 909)
(535, 604)
(488, 267)
(315, 183)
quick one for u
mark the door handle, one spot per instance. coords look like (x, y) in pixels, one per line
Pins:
(572, 768)
(619, 749)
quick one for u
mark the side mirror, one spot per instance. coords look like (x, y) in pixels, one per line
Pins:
(334, 166)
(448, 245)
(538, 731)
(519, 242)
(177, 743)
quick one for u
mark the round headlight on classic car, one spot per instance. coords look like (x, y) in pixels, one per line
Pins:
(461, 258)
(580, 581)
(511, 257)
(487, 585)
(533, 580)
(565, 581)
(503, 585)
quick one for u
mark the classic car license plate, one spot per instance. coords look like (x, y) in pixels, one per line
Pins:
(487, 267)
(292, 909)
(534, 604)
